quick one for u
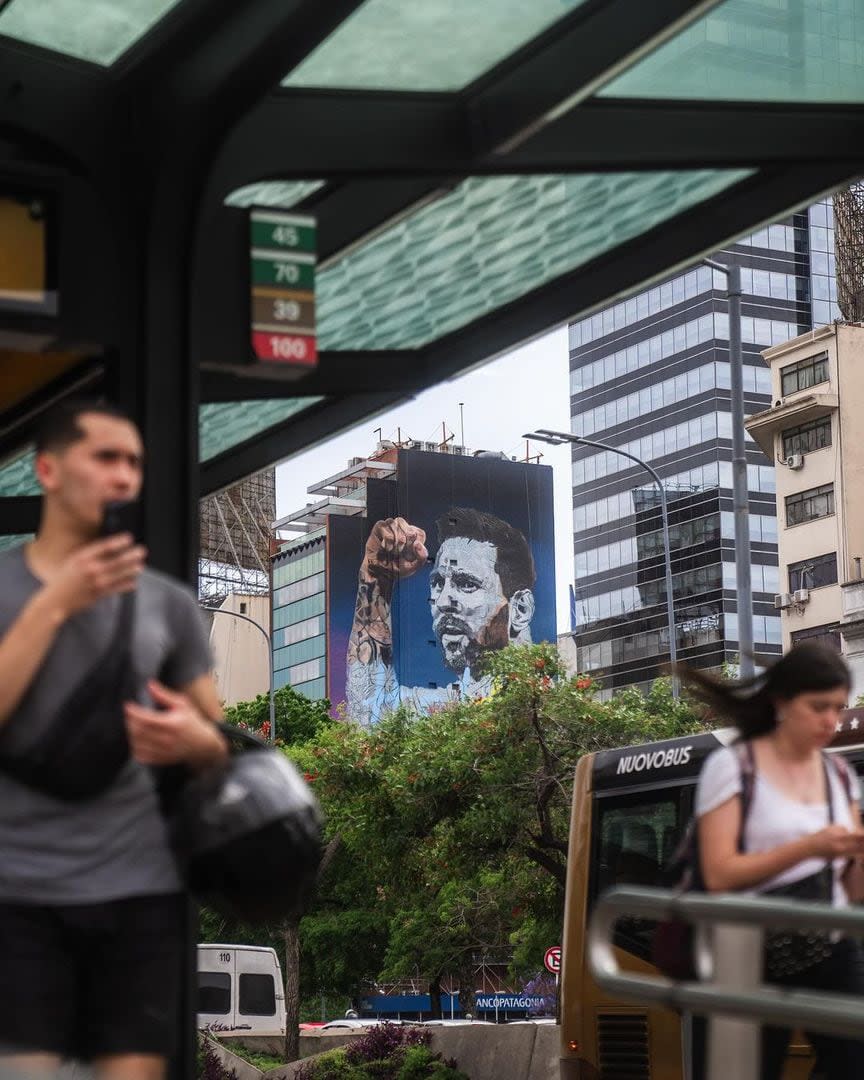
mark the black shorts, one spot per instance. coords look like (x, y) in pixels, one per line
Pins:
(90, 980)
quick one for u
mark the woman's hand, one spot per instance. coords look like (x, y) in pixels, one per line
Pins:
(836, 841)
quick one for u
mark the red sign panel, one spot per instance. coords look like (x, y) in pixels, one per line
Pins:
(285, 348)
(552, 959)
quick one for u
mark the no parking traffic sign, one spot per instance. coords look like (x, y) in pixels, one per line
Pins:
(552, 959)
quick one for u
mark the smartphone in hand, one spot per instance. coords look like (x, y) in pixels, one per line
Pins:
(121, 516)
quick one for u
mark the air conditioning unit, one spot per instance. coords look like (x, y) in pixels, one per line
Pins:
(783, 600)
(795, 461)
(801, 596)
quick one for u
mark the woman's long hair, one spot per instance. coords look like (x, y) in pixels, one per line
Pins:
(749, 703)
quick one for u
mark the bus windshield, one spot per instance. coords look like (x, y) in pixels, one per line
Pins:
(635, 836)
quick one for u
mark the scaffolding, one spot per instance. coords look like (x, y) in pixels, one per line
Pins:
(235, 531)
(849, 247)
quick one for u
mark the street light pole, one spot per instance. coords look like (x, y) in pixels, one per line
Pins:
(245, 618)
(740, 486)
(545, 435)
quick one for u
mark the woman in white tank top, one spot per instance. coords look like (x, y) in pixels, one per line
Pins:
(801, 836)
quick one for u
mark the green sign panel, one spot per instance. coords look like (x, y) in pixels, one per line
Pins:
(283, 288)
(271, 231)
(285, 271)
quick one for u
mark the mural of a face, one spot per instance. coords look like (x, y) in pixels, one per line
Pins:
(470, 612)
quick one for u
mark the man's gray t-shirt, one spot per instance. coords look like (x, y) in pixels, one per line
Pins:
(113, 846)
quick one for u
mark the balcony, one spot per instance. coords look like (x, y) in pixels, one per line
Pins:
(764, 426)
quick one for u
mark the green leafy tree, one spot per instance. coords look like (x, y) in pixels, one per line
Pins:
(297, 718)
(459, 818)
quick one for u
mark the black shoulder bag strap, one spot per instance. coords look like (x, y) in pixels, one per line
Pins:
(85, 748)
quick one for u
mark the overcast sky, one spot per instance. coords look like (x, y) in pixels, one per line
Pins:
(520, 391)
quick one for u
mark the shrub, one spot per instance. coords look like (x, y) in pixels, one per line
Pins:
(210, 1066)
(385, 1041)
(384, 1052)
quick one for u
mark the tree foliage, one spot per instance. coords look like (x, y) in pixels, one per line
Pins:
(456, 822)
(448, 831)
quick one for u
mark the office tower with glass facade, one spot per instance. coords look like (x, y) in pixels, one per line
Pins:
(651, 375)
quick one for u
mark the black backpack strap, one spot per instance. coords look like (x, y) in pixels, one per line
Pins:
(747, 767)
(842, 769)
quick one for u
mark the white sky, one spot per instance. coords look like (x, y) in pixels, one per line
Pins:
(523, 390)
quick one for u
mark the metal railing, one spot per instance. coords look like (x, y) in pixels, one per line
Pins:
(728, 941)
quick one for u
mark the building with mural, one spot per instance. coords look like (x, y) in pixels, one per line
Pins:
(407, 569)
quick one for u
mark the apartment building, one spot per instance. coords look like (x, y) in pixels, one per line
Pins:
(813, 431)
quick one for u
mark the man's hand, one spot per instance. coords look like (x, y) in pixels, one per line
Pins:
(96, 570)
(394, 550)
(174, 734)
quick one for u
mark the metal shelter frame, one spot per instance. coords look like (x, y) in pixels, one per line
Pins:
(140, 156)
(135, 161)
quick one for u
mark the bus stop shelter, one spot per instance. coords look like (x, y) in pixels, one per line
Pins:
(480, 171)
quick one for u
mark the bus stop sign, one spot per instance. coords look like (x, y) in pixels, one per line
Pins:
(552, 959)
(283, 289)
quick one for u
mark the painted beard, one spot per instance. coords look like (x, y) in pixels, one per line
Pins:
(458, 645)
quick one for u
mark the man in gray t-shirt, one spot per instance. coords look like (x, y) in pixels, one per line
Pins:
(91, 906)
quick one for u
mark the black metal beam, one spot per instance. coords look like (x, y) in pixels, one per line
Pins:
(274, 445)
(19, 514)
(337, 375)
(608, 133)
(51, 106)
(227, 55)
(331, 133)
(371, 139)
(568, 63)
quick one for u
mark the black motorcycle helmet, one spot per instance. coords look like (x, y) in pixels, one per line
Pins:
(247, 834)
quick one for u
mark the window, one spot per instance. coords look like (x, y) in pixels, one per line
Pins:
(819, 635)
(804, 373)
(214, 993)
(634, 839)
(257, 995)
(806, 438)
(813, 573)
(810, 505)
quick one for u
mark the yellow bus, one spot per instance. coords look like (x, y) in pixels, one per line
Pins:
(630, 807)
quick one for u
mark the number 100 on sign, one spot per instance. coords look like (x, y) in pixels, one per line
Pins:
(289, 348)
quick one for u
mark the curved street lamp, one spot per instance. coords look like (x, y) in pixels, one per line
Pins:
(556, 438)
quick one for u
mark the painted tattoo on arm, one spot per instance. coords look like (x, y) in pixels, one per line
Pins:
(371, 641)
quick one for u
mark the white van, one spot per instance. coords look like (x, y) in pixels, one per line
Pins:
(240, 989)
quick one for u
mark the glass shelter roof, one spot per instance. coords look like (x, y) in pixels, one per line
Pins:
(435, 45)
(96, 30)
(479, 171)
(487, 243)
(758, 50)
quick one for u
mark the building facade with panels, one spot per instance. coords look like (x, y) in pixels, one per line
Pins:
(651, 375)
(299, 632)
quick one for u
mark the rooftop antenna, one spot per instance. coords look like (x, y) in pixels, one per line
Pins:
(462, 423)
